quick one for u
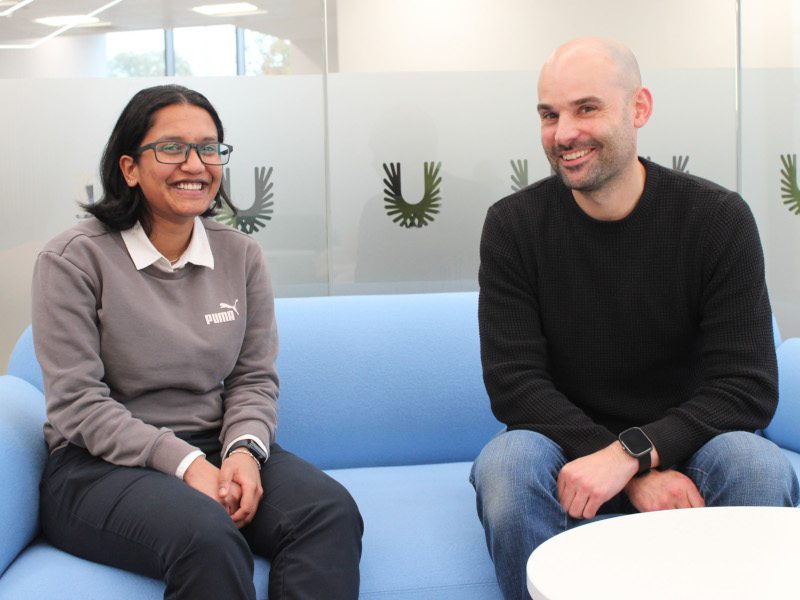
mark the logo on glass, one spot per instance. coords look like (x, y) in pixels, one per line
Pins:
(252, 219)
(404, 213)
(789, 190)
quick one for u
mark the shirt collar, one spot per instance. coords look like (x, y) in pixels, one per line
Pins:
(144, 254)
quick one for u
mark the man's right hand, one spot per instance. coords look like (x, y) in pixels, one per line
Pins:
(662, 490)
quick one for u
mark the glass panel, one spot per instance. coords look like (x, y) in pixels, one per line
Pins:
(266, 54)
(135, 53)
(410, 90)
(771, 143)
(202, 51)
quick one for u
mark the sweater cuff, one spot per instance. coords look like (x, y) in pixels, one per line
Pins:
(168, 452)
(187, 460)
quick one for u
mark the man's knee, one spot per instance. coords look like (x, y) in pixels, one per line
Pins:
(515, 465)
(742, 468)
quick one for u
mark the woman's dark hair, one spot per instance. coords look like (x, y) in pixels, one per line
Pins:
(121, 205)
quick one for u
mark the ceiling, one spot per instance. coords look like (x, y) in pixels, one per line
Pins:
(290, 19)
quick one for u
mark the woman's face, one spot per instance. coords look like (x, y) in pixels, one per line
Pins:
(175, 193)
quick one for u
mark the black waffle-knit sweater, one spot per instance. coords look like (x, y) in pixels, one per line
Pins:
(659, 320)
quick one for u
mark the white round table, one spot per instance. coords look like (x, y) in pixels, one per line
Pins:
(731, 553)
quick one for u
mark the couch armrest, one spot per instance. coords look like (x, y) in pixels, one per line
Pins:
(784, 429)
(22, 459)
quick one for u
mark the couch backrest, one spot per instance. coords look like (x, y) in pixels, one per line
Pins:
(784, 429)
(370, 380)
(23, 363)
(382, 380)
(776, 332)
(21, 463)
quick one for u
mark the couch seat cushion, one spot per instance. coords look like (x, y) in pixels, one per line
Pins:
(422, 537)
(43, 572)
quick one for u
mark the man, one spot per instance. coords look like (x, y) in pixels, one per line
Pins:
(625, 329)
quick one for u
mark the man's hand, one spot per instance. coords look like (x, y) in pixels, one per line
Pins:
(588, 482)
(243, 470)
(204, 477)
(661, 490)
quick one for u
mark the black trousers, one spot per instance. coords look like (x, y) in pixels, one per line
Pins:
(307, 526)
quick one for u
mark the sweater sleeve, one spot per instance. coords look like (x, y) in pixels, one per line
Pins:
(514, 349)
(250, 396)
(80, 409)
(738, 390)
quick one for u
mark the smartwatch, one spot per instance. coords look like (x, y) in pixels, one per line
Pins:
(252, 447)
(638, 445)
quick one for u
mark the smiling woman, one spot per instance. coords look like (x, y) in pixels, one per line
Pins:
(133, 346)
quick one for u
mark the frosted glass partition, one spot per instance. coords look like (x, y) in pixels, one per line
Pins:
(370, 167)
(477, 134)
(771, 144)
(276, 174)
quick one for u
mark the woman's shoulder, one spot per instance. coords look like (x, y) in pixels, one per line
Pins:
(224, 236)
(89, 232)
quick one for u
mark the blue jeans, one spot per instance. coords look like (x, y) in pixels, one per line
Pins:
(515, 480)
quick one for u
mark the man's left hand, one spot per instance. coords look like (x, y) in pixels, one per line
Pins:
(588, 482)
(662, 490)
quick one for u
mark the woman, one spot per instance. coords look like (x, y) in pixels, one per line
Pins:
(155, 330)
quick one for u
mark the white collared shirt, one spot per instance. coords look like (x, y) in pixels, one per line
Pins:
(144, 253)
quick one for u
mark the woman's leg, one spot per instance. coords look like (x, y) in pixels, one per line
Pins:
(144, 521)
(310, 529)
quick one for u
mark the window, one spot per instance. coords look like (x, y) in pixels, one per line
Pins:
(135, 53)
(265, 54)
(203, 51)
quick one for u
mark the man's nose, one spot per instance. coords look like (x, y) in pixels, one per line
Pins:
(566, 130)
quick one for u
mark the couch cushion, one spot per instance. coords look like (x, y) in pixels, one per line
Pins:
(422, 537)
(21, 462)
(382, 380)
(23, 363)
(784, 429)
(42, 572)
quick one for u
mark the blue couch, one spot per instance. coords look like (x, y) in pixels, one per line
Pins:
(385, 393)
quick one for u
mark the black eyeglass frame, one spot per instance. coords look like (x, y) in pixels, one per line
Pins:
(189, 147)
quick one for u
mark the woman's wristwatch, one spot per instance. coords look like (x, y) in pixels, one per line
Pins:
(252, 447)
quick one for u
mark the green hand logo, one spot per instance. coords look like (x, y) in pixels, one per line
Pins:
(679, 163)
(790, 191)
(254, 218)
(412, 215)
(520, 176)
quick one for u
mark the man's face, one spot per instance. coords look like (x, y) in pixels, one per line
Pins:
(587, 118)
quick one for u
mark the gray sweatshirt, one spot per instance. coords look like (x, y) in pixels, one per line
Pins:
(129, 357)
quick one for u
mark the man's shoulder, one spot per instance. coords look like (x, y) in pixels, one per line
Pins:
(688, 185)
(531, 199)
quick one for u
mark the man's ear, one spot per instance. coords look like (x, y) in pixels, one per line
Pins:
(642, 107)
(129, 169)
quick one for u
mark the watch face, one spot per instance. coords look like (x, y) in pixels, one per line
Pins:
(635, 441)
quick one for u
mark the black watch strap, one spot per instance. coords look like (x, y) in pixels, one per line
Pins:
(252, 447)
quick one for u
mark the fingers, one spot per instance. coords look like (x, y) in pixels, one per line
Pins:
(694, 498)
(240, 471)
(248, 505)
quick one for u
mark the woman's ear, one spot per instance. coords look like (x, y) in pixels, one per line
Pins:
(129, 169)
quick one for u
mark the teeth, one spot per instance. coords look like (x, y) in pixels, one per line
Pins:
(189, 186)
(576, 154)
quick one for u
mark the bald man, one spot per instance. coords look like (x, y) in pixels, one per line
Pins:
(626, 333)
